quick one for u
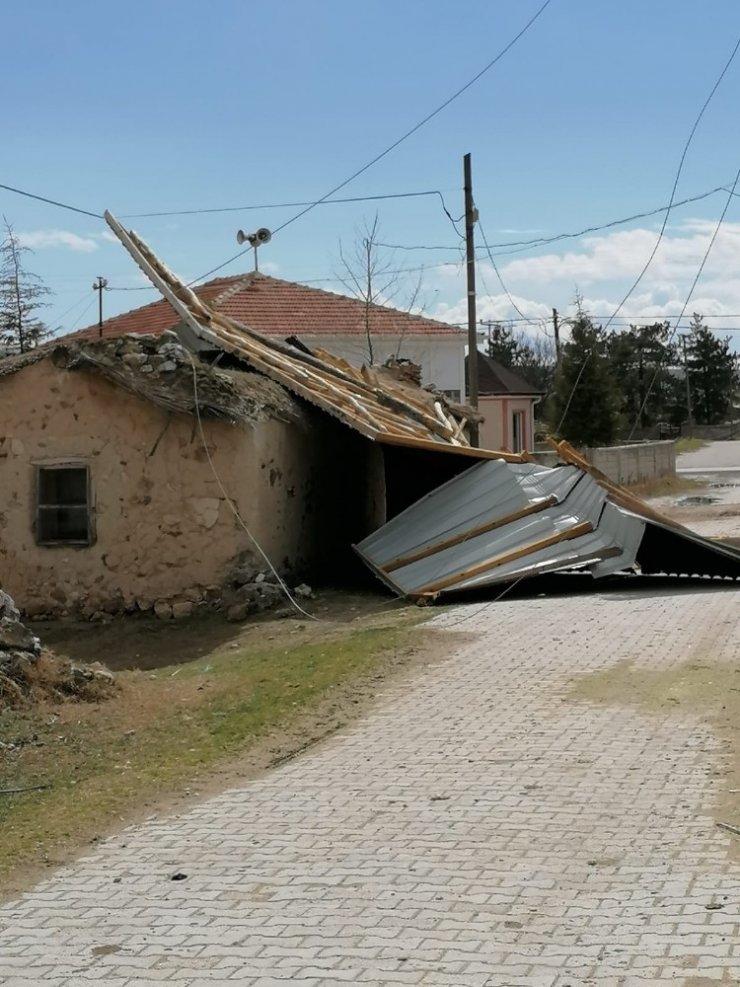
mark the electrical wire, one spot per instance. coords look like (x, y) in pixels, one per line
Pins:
(51, 202)
(287, 205)
(396, 143)
(232, 505)
(659, 240)
(573, 235)
(694, 283)
(82, 314)
(508, 294)
(65, 313)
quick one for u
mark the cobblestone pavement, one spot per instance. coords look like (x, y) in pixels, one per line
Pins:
(476, 828)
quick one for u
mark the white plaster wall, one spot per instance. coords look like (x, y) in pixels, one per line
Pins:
(442, 358)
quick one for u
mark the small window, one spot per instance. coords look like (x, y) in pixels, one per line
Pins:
(63, 505)
(452, 395)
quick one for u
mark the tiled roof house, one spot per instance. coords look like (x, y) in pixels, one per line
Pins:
(337, 323)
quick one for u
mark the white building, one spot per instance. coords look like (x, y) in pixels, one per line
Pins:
(342, 325)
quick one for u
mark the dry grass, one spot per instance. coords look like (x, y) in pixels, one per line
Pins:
(167, 731)
(663, 486)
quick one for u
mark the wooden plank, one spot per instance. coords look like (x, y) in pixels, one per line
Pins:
(576, 531)
(481, 529)
(617, 493)
(466, 450)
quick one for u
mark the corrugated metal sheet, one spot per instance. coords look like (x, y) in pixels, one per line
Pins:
(498, 522)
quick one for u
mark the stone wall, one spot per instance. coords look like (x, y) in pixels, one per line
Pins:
(164, 533)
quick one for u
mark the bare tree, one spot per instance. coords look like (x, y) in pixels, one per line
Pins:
(22, 296)
(374, 279)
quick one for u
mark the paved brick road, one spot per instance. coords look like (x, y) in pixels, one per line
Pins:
(476, 829)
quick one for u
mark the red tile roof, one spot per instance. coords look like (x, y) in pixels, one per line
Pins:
(278, 308)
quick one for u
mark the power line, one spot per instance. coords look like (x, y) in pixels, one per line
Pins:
(694, 283)
(649, 261)
(400, 140)
(65, 313)
(51, 202)
(501, 280)
(542, 241)
(286, 205)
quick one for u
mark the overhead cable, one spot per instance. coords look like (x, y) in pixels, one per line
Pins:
(574, 235)
(287, 205)
(508, 294)
(694, 283)
(51, 202)
(659, 240)
(396, 143)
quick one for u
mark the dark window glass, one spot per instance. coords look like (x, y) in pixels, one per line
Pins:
(63, 513)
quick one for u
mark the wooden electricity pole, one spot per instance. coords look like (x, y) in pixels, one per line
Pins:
(100, 285)
(471, 216)
(556, 331)
(689, 410)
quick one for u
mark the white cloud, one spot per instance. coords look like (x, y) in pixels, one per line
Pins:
(496, 308)
(624, 254)
(603, 268)
(43, 239)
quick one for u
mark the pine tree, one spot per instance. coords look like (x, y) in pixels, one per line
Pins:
(502, 346)
(584, 405)
(713, 373)
(22, 297)
(640, 359)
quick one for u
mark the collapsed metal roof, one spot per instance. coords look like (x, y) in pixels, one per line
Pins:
(501, 522)
(359, 398)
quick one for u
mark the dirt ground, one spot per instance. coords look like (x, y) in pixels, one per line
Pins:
(711, 508)
(145, 642)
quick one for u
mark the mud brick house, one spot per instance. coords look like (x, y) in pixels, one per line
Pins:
(135, 469)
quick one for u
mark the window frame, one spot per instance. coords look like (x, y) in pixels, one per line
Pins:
(39, 507)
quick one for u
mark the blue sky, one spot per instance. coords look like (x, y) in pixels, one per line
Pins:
(173, 105)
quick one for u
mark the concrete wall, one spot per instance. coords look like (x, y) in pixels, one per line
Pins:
(633, 463)
(164, 530)
(627, 464)
(497, 430)
(441, 358)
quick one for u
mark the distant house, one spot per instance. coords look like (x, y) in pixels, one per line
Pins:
(507, 403)
(281, 309)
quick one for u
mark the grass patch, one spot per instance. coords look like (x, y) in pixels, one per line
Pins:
(663, 486)
(707, 689)
(689, 445)
(171, 728)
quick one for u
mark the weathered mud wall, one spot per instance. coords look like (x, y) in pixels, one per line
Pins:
(164, 533)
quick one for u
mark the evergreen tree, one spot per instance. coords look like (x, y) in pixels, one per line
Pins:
(531, 357)
(713, 373)
(502, 345)
(640, 359)
(584, 397)
(22, 297)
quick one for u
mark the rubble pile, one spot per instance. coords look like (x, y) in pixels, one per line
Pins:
(29, 672)
(160, 369)
(249, 590)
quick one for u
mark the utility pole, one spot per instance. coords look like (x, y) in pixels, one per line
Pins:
(556, 331)
(471, 217)
(100, 285)
(689, 412)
